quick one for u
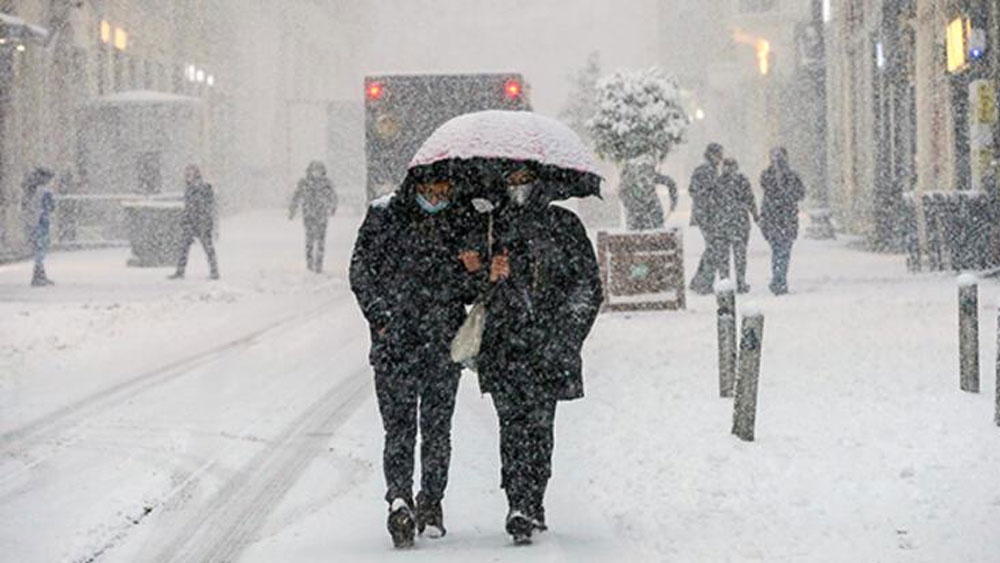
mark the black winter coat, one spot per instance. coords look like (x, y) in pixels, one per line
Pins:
(199, 207)
(704, 196)
(779, 207)
(737, 205)
(408, 280)
(538, 318)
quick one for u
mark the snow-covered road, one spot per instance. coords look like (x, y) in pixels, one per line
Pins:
(147, 420)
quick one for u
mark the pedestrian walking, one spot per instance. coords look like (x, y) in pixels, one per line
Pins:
(412, 288)
(545, 297)
(704, 192)
(315, 195)
(37, 206)
(737, 208)
(198, 221)
(643, 210)
(779, 215)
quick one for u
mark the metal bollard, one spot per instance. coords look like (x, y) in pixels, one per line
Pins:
(745, 405)
(968, 333)
(726, 297)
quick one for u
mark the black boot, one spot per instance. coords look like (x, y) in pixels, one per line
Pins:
(520, 527)
(401, 523)
(430, 517)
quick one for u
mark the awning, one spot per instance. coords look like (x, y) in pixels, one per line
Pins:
(13, 27)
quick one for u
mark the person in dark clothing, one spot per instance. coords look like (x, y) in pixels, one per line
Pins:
(704, 192)
(315, 195)
(737, 207)
(412, 288)
(545, 296)
(779, 215)
(198, 222)
(37, 205)
(643, 210)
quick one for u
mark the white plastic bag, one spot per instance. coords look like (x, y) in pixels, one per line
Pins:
(465, 345)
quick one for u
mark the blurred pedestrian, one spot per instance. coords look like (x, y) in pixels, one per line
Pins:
(737, 208)
(198, 221)
(643, 210)
(315, 195)
(412, 289)
(704, 192)
(779, 215)
(37, 205)
(545, 297)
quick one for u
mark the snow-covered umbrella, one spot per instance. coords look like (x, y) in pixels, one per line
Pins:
(507, 139)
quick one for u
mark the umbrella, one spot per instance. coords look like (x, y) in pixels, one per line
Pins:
(486, 140)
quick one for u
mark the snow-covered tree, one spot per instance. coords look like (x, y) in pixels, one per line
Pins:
(639, 113)
(582, 102)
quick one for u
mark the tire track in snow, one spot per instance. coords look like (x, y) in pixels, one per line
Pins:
(231, 518)
(43, 429)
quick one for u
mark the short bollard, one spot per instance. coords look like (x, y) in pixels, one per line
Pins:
(968, 333)
(745, 405)
(726, 297)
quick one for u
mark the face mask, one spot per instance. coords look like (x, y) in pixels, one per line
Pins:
(519, 194)
(432, 208)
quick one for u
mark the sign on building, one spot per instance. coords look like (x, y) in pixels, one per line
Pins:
(982, 118)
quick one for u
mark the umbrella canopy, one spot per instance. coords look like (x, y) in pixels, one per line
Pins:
(557, 154)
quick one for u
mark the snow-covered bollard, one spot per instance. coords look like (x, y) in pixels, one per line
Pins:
(751, 342)
(968, 333)
(725, 295)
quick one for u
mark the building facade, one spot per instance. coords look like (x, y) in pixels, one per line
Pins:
(911, 102)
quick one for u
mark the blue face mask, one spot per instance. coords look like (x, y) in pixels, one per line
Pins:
(432, 208)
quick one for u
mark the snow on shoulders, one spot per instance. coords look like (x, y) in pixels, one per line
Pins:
(967, 279)
(382, 202)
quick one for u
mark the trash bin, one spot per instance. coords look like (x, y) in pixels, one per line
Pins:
(155, 231)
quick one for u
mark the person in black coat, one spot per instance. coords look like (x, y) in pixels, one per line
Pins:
(643, 210)
(198, 221)
(704, 192)
(546, 293)
(315, 195)
(412, 289)
(737, 208)
(779, 215)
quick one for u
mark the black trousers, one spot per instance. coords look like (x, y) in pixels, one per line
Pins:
(781, 256)
(411, 395)
(711, 261)
(206, 242)
(315, 244)
(527, 438)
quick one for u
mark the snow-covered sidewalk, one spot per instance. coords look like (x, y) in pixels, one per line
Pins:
(264, 439)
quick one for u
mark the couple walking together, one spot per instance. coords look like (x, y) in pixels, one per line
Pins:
(421, 256)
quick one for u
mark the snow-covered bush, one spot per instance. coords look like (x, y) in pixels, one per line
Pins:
(638, 113)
